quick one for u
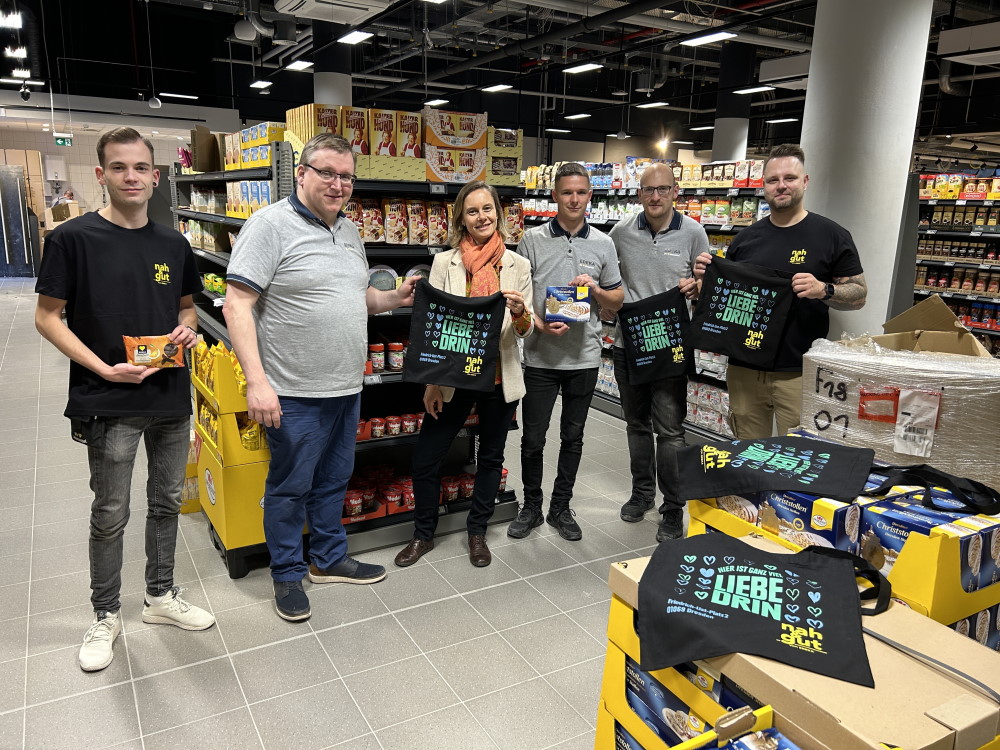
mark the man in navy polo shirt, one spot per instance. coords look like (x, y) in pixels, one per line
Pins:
(656, 249)
(297, 308)
(565, 251)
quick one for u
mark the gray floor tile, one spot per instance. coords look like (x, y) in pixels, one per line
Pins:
(23, 462)
(79, 470)
(227, 731)
(583, 741)
(228, 593)
(534, 642)
(533, 556)
(103, 717)
(189, 694)
(294, 721)
(449, 729)
(63, 457)
(544, 717)
(511, 604)
(12, 730)
(633, 535)
(77, 508)
(74, 488)
(19, 478)
(594, 545)
(12, 677)
(163, 647)
(376, 689)
(602, 568)
(18, 435)
(59, 592)
(580, 685)
(15, 568)
(255, 625)
(13, 498)
(571, 588)
(596, 509)
(15, 542)
(57, 674)
(59, 560)
(13, 638)
(59, 628)
(365, 742)
(481, 666)
(342, 603)
(412, 586)
(65, 532)
(283, 667)
(593, 619)
(367, 644)
(608, 481)
(443, 623)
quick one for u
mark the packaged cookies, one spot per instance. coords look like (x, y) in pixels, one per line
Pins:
(416, 212)
(153, 351)
(395, 214)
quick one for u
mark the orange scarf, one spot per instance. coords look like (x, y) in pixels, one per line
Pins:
(481, 262)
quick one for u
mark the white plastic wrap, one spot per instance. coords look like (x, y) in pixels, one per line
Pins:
(940, 409)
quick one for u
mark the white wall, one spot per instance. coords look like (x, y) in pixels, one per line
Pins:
(577, 151)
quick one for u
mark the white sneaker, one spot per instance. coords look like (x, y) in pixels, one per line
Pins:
(97, 650)
(175, 611)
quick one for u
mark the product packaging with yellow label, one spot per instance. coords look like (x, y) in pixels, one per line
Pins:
(153, 351)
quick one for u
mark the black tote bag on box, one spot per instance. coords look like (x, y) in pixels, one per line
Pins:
(454, 341)
(712, 594)
(742, 311)
(654, 331)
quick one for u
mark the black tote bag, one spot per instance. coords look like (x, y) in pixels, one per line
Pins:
(975, 496)
(742, 311)
(736, 467)
(712, 594)
(454, 341)
(654, 332)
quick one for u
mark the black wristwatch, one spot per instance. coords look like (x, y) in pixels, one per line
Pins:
(830, 289)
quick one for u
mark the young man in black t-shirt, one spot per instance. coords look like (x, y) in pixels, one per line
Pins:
(117, 273)
(827, 273)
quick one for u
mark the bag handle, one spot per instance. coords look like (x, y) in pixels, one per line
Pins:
(880, 590)
(976, 496)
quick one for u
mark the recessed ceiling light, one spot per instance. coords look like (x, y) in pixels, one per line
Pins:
(556, 130)
(579, 116)
(717, 36)
(783, 119)
(10, 20)
(299, 65)
(355, 36)
(18, 53)
(583, 68)
(498, 87)
(261, 84)
(19, 81)
(651, 105)
(754, 90)
(684, 143)
(21, 73)
(435, 2)
(704, 127)
(621, 135)
(180, 138)
(619, 92)
(154, 132)
(178, 96)
(435, 102)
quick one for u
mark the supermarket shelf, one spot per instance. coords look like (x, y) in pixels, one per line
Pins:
(397, 311)
(204, 216)
(608, 404)
(383, 250)
(217, 299)
(378, 378)
(987, 331)
(232, 175)
(951, 263)
(702, 433)
(408, 439)
(221, 259)
(213, 328)
(948, 293)
(431, 189)
(949, 234)
(955, 202)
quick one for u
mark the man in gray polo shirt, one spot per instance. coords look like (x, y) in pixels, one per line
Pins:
(565, 251)
(656, 249)
(297, 309)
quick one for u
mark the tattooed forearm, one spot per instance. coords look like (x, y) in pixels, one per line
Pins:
(850, 293)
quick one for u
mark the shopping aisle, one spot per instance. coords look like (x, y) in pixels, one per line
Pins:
(439, 655)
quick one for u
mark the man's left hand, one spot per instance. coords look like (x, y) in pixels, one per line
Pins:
(183, 336)
(807, 286)
(583, 280)
(405, 291)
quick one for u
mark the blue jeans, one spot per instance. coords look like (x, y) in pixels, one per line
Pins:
(312, 458)
(111, 449)
(657, 407)
(542, 386)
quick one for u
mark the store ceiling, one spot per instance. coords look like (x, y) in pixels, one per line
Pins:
(454, 49)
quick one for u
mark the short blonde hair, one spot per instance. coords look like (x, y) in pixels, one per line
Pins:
(457, 231)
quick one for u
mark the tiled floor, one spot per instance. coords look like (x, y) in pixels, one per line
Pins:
(441, 655)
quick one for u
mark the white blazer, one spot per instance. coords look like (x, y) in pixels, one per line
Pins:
(449, 275)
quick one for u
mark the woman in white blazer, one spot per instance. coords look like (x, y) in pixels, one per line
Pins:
(479, 264)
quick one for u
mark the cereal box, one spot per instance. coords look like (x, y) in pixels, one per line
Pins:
(394, 212)
(567, 304)
(382, 131)
(416, 213)
(437, 223)
(408, 135)
(354, 121)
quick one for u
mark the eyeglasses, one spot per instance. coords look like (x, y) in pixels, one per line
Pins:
(327, 176)
(661, 189)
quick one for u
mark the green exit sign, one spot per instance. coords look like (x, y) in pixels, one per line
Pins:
(63, 141)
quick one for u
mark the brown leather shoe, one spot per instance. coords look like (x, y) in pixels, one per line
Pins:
(479, 553)
(413, 551)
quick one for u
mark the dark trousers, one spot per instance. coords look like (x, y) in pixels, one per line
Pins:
(436, 437)
(543, 385)
(658, 407)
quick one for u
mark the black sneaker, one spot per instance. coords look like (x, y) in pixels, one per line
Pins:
(635, 509)
(527, 519)
(671, 525)
(563, 520)
(348, 570)
(291, 601)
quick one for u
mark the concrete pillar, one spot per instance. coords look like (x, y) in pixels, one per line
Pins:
(732, 111)
(331, 64)
(729, 139)
(857, 131)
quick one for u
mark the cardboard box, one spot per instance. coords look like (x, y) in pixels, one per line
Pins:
(911, 705)
(505, 142)
(312, 119)
(409, 131)
(354, 125)
(462, 130)
(455, 164)
(567, 304)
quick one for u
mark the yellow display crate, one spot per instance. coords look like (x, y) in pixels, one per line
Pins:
(925, 576)
(232, 499)
(604, 739)
(406, 168)
(225, 397)
(227, 445)
(191, 500)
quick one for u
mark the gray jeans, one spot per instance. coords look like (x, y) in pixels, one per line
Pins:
(112, 445)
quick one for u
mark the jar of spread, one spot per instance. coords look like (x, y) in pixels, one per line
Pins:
(378, 427)
(409, 425)
(353, 503)
(393, 426)
(376, 353)
(449, 489)
(395, 357)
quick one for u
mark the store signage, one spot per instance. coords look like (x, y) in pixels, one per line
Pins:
(64, 141)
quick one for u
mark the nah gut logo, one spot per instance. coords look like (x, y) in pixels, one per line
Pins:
(162, 275)
(798, 257)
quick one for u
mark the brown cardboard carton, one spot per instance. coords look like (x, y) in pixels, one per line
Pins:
(461, 130)
(354, 124)
(382, 132)
(408, 135)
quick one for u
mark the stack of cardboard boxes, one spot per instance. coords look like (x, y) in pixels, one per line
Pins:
(31, 163)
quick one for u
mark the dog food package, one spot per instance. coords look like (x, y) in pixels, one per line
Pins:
(396, 220)
(416, 214)
(153, 351)
(437, 223)
(567, 304)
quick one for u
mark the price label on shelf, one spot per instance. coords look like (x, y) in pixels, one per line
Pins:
(985, 266)
(726, 228)
(932, 202)
(977, 233)
(438, 188)
(373, 379)
(972, 297)
(946, 294)
(987, 203)
(633, 191)
(960, 202)
(949, 263)
(733, 191)
(931, 231)
(622, 191)
(759, 192)
(699, 191)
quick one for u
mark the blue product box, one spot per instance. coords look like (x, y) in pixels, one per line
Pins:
(662, 711)
(567, 304)
(624, 740)
(993, 639)
(765, 739)
(808, 520)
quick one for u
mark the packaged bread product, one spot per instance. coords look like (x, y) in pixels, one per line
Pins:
(437, 223)
(416, 214)
(153, 351)
(395, 215)
(374, 224)
(354, 212)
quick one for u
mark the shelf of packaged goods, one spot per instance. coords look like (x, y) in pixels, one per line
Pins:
(407, 439)
(747, 192)
(390, 313)
(433, 189)
(953, 263)
(217, 299)
(232, 175)
(221, 259)
(948, 293)
(608, 404)
(205, 216)
(955, 202)
(725, 228)
(949, 234)
(980, 329)
(382, 250)
(213, 328)
(593, 222)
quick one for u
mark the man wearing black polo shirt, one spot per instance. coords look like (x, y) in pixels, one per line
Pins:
(827, 274)
(117, 273)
